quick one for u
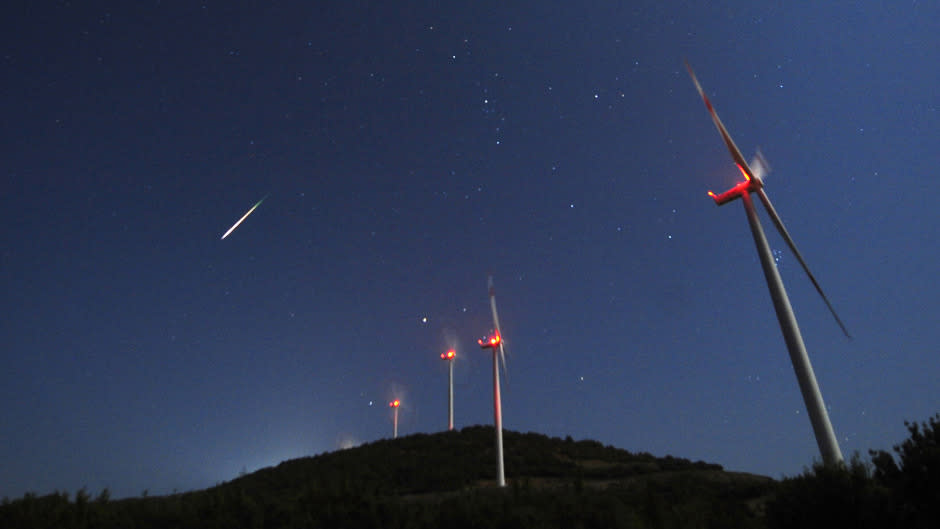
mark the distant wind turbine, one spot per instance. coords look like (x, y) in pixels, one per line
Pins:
(449, 357)
(394, 406)
(495, 342)
(753, 183)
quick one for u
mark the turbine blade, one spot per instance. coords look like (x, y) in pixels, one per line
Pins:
(760, 166)
(732, 148)
(502, 351)
(492, 291)
(799, 257)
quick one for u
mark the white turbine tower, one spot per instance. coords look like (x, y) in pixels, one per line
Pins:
(449, 357)
(495, 342)
(819, 417)
(394, 406)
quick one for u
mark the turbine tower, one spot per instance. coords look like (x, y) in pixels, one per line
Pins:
(812, 397)
(394, 406)
(495, 342)
(449, 357)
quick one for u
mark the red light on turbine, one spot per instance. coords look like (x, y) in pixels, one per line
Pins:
(492, 342)
(449, 355)
(735, 192)
(394, 404)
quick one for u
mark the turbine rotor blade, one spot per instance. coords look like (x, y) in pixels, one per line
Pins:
(492, 292)
(799, 257)
(732, 148)
(759, 166)
(502, 351)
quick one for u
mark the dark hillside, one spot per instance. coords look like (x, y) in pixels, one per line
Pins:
(438, 480)
(423, 463)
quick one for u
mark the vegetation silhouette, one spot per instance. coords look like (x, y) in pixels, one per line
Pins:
(448, 480)
(445, 479)
(886, 492)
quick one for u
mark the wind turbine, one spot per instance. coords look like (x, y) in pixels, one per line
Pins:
(753, 183)
(394, 406)
(495, 342)
(449, 357)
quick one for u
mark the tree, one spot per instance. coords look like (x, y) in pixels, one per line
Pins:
(890, 492)
(830, 496)
(914, 478)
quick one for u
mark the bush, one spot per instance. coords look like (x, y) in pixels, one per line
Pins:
(915, 479)
(888, 492)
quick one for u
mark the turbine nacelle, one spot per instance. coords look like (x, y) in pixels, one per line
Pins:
(449, 355)
(394, 404)
(753, 180)
(490, 343)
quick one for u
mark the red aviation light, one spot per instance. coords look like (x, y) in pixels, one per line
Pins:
(735, 192)
(449, 355)
(492, 342)
(394, 404)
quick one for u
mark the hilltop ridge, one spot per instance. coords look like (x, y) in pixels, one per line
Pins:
(444, 479)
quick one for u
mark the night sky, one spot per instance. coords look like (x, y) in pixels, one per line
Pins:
(409, 149)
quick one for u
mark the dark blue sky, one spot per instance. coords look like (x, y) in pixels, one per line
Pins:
(411, 148)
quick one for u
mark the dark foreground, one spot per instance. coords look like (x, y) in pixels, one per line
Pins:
(445, 480)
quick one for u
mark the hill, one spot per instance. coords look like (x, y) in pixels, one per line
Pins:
(438, 480)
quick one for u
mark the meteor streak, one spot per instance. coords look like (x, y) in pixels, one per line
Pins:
(245, 216)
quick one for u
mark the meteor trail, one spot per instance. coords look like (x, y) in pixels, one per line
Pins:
(245, 216)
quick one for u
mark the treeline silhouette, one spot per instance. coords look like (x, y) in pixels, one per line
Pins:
(447, 480)
(900, 490)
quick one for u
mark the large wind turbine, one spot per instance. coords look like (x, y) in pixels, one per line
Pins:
(819, 417)
(495, 342)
